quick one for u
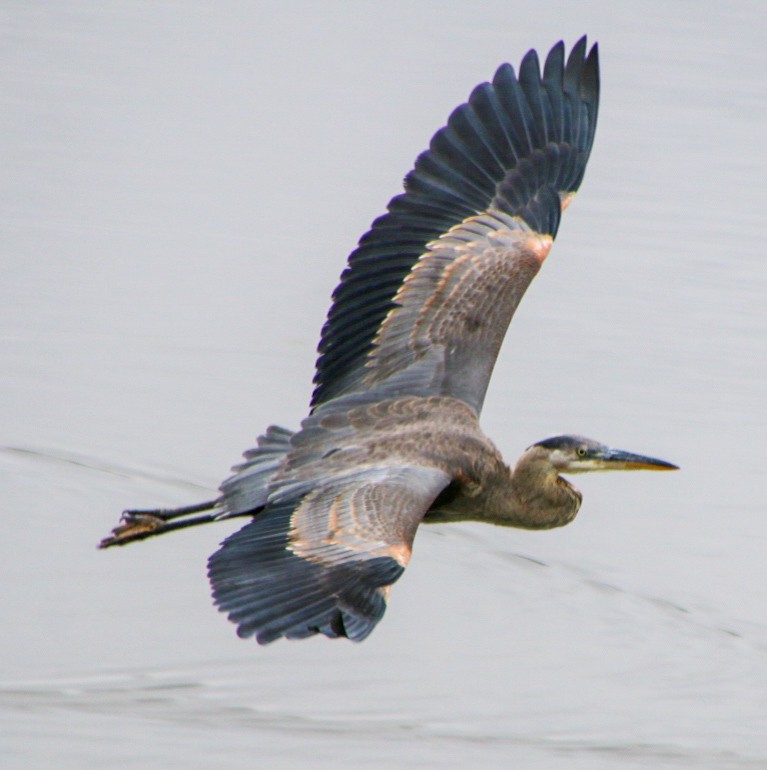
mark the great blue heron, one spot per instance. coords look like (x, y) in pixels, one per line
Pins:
(392, 438)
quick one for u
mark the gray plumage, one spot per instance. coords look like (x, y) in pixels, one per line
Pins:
(393, 437)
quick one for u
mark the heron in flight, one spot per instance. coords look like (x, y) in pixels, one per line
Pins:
(392, 439)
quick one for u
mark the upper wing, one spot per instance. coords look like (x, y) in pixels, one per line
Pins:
(322, 559)
(429, 291)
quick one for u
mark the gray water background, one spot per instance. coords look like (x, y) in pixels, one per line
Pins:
(181, 183)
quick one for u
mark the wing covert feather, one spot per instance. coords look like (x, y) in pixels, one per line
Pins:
(455, 305)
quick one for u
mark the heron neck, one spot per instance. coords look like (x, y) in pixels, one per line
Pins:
(540, 498)
(532, 496)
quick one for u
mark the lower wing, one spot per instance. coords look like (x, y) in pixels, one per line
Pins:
(324, 562)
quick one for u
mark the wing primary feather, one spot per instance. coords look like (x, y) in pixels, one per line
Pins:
(514, 103)
(553, 74)
(574, 68)
(590, 93)
(488, 112)
(530, 82)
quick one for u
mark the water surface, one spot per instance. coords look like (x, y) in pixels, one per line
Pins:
(181, 185)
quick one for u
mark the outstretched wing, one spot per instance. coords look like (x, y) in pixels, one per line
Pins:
(323, 561)
(426, 298)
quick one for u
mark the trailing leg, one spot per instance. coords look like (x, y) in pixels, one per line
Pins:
(139, 525)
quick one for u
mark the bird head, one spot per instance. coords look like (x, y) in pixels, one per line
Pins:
(576, 454)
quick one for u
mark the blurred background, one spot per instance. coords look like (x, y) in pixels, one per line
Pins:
(182, 182)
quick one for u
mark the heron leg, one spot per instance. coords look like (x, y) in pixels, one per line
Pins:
(168, 514)
(141, 524)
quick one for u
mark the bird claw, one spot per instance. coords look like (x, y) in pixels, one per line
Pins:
(133, 525)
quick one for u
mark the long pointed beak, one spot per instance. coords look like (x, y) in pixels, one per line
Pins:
(618, 460)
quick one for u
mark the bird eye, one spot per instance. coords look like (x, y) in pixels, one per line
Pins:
(581, 451)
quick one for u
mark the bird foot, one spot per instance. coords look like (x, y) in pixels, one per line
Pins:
(134, 525)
